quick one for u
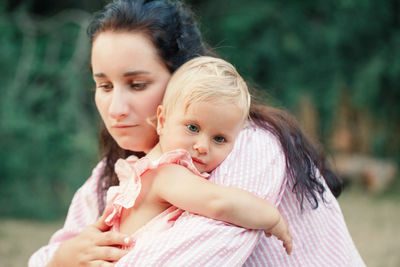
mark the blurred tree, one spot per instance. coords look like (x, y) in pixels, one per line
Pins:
(338, 58)
(47, 120)
(49, 7)
(321, 49)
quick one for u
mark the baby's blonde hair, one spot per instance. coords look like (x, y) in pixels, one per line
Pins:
(206, 79)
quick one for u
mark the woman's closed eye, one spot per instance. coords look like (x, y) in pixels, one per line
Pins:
(138, 86)
(192, 128)
(106, 87)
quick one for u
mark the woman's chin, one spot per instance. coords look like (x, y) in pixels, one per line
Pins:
(134, 146)
(131, 147)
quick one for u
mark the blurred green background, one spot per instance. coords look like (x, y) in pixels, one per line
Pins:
(334, 64)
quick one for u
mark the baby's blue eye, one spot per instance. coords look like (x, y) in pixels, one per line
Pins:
(193, 128)
(219, 139)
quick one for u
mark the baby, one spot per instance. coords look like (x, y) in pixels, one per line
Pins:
(205, 106)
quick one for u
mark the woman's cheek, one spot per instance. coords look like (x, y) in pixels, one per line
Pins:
(99, 100)
(102, 107)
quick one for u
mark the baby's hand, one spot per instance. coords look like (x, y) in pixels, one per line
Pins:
(281, 231)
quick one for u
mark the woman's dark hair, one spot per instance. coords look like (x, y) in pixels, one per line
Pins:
(169, 25)
(175, 35)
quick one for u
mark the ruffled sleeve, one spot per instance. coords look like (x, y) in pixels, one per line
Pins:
(129, 172)
(125, 194)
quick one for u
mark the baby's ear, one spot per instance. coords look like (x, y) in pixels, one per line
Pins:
(160, 119)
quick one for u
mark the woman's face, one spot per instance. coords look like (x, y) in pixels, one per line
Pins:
(130, 83)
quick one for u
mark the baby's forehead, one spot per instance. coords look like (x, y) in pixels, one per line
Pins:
(205, 107)
(217, 102)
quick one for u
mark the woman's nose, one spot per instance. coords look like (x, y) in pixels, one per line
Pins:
(119, 106)
(201, 146)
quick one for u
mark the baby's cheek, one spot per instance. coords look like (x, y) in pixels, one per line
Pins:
(221, 157)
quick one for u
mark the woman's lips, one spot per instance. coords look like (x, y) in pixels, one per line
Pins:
(123, 126)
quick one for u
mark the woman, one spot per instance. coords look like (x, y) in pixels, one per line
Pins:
(136, 45)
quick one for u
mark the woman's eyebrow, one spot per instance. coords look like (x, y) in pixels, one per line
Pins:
(126, 74)
(136, 72)
(99, 75)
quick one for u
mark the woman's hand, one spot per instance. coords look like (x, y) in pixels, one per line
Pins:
(94, 246)
(281, 231)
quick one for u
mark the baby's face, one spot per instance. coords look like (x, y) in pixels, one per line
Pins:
(206, 130)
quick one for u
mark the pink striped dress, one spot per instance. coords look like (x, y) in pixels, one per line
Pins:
(256, 164)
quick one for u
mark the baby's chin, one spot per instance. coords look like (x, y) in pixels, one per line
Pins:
(203, 168)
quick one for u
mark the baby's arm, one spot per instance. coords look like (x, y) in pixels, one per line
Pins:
(180, 187)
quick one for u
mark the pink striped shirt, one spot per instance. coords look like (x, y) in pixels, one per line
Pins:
(256, 164)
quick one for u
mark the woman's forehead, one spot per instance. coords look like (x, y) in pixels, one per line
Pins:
(131, 51)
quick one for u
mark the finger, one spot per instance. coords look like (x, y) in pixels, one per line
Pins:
(267, 234)
(288, 244)
(112, 238)
(100, 223)
(109, 254)
(288, 247)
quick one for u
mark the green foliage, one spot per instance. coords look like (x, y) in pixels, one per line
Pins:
(323, 49)
(47, 124)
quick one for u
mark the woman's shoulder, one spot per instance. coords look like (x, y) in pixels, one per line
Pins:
(256, 163)
(93, 180)
(257, 137)
(84, 207)
(254, 145)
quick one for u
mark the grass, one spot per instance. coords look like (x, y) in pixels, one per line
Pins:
(20, 238)
(372, 221)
